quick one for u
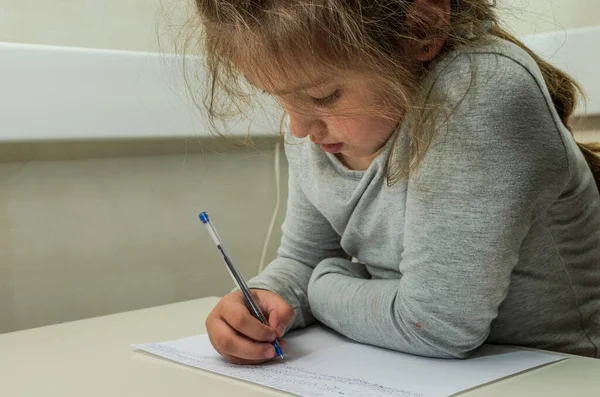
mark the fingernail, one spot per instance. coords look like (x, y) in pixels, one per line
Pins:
(280, 329)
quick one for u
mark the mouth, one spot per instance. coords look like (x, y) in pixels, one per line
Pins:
(332, 147)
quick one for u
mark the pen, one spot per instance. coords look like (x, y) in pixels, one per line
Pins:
(251, 302)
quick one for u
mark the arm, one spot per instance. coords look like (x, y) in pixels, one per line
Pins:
(468, 209)
(307, 239)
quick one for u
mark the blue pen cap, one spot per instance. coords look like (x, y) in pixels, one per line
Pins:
(204, 217)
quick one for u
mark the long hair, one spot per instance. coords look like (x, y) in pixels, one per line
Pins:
(281, 40)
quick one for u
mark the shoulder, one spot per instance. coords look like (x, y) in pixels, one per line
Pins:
(496, 88)
(497, 74)
(494, 107)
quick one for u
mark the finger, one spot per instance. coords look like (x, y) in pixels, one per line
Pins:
(283, 345)
(280, 315)
(240, 361)
(240, 319)
(230, 343)
(234, 359)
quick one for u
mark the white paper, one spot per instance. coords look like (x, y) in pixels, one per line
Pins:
(320, 363)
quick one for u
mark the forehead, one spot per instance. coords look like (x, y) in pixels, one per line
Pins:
(289, 70)
(283, 81)
(283, 71)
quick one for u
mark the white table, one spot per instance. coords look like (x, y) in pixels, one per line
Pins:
(93, 358)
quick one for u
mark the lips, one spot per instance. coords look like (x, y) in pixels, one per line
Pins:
(331, 147)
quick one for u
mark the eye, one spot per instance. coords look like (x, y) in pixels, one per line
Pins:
(328, 100)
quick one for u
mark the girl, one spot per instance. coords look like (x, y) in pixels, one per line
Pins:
(437, 199)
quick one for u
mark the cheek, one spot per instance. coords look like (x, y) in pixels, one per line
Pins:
(363, 128)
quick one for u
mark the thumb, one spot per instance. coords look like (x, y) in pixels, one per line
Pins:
(279, 312)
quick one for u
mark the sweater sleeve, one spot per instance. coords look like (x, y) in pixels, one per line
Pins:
(307, 239)
(489, 170)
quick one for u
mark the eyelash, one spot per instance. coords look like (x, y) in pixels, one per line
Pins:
(328, 100)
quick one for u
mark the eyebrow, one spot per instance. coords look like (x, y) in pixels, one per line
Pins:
(301, 87)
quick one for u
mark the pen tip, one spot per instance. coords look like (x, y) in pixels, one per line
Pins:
(281, 356)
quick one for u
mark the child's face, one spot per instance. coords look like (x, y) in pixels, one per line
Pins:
(343, 115)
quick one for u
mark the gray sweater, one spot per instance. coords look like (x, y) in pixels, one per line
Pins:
(496, 237)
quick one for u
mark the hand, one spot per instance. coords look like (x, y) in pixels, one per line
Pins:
(241, 338)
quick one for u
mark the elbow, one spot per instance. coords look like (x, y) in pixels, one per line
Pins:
(461, 353)
(448, 344)
(438, 331)
(444, 347)
(435, 335)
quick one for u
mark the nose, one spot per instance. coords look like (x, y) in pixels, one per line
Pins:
(302, 125)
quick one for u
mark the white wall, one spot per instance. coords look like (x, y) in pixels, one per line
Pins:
(537, 16)
(113, 24)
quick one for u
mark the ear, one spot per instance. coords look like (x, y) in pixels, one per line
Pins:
(429, 22)
(428, 50)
